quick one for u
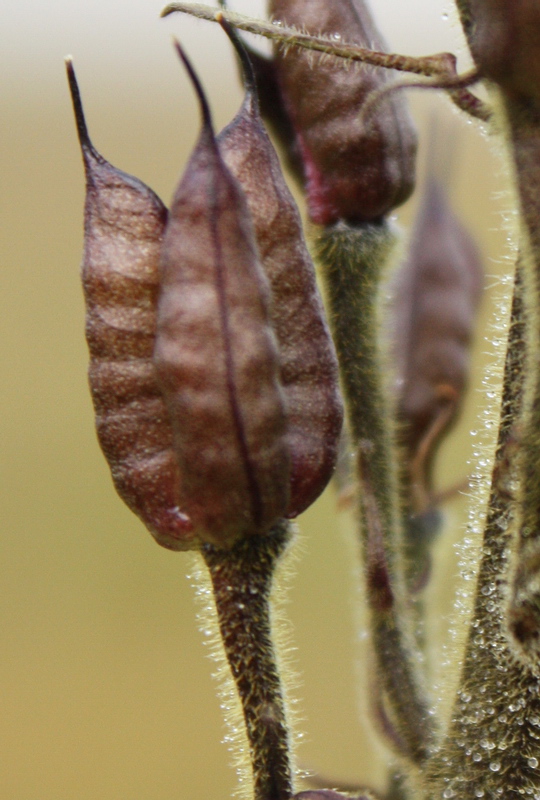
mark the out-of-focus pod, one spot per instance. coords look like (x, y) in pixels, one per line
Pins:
(437, 293)
(354, 170)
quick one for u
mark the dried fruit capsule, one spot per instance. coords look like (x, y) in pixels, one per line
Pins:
(438, 291)
(216, 356)
(124, 224)
(353, 171)
(506, 44)
(308, 363)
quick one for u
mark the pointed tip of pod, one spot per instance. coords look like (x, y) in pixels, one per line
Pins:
(82, 130)
(248, 72)
(206, 114)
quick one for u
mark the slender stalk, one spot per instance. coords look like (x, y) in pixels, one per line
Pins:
(351, 259)
(242, 582)
(454, 84)
(440, 64)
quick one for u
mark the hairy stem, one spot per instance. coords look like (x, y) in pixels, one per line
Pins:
(242, 582)
(492, 744)
(523, 118)
(351, 259)
(442, 64)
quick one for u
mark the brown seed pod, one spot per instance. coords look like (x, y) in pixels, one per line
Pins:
(353, 170)
(216, 356)
(308, 362)
(505, 43)
(437, 294)
(124, 224)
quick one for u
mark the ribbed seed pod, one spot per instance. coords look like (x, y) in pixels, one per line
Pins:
(437, 295)
(353, 170)
(216, 356)
(124, 224)
(308, 362)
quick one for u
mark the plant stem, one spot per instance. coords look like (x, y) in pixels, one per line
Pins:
(493, 742)
(439, 64)
(242, 582)
(523, 118)
(352, 261)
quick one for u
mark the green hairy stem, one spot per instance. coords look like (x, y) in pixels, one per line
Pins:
(491, 744)
(242, 583)
(351, 261)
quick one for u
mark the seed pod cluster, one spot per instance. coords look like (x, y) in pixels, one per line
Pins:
(353, 170)
(213, 374)
(437, 294)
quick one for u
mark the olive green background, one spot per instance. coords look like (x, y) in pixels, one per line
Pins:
(106, 688)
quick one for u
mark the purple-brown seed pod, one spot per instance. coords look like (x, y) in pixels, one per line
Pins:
(308, 362)
(216, 355)
(437, 294)
(124, 224)
(353, 170)
(505, 43)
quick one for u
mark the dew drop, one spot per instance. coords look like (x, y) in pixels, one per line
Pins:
(486, 744)
(532, 762)
(495, 766)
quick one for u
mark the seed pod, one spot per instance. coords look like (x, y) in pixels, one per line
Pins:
(124, 224)
(216, 356)
(308, 362)
(437, 291)
(506, 44)
(353, 171)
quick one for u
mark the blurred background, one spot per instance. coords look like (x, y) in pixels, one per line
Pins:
(106, 687)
